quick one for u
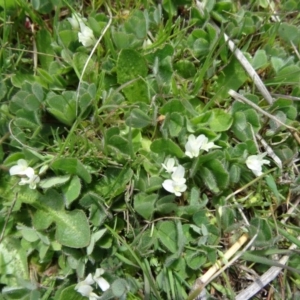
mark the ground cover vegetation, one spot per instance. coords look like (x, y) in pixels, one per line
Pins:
(147, 144)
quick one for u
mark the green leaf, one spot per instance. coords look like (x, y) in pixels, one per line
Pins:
(8, 4)
(165, 205)
(72, 190)
(166, 233)
(79, 61)
(232, 77)
(201, 159)
(29, 234)
(124, 40)
(167, 147)
(53, 181)
(72, 166)
(138, 119)
(172, 106)
(144, 204)
(121, 144)
(263, 230)
(235, 173)
(45, 50)
(41, 220)
(131, 66)
(289, 33)
(119, 287)
(38, 91)
(114, 181)
(137, 25)
(220, 173)
(61, 108)
(245, 122)
(260, 59)
(185, 68)
(13, 262)
(263, 260)
(72, 227)
(220, 120)
(277, 63)
(3, 89)
(195, 260)
(209, 179)
(175, 123)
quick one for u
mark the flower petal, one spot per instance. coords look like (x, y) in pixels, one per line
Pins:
(102, 283)
(178, 174)
(169, 165)
(19, 168)
(168, 185)
(84, 289)
(89, 279)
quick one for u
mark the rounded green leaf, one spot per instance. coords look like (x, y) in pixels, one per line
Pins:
(166, 146)
(138, 119)
(72, 229)
(166, 232)
(220, 120)
(144, 205)
(119, 287)
(53, 181)
(131, 67)
(72, 190)
(72, 166)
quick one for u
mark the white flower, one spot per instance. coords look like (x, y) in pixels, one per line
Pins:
(255, 163)
(169, 165)
(86, 35)
(32, 180)
(85, 289)
(22, 169)
(194, 145)
(102, 283)
(176, 185)
(206, 146)
(76, 20)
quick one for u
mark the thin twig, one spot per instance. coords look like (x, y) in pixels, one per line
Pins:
(273, 272)
(243, 61)
(239, 97)
(216, 269)
(270, 151)
(293, 98)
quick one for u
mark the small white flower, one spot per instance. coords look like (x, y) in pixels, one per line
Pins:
(169, 165)
(176, 185)
(102, 283)
(86, 35)
(85, 289)
(206, 146)
(22, 169)
(255, 163)
(32, 179)
(76, 20)
(194, 145)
